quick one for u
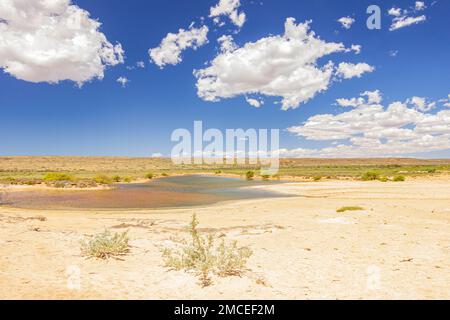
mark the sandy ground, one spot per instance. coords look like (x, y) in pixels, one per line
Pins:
(397, 248)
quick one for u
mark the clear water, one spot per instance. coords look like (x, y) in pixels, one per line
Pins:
(182, 191)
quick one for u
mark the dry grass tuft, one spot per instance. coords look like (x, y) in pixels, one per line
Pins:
(106, 245)
(103, 179)
(205, 257)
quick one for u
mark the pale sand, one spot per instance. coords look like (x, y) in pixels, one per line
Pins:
(398, 248)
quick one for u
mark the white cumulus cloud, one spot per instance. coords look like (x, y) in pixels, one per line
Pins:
(52, 41)
(356, 48)
(226, 43)
(367, 97)
(402, 22)
(350, 70)
(170, 49)
(405, 18)
(396, 12)
(157, 155)
(446, 101)
(420, 5)
(421, 103)
(123, 81)
(285, 66)
(254, 102)
(371, 129)
(346, 22)
(228, 8)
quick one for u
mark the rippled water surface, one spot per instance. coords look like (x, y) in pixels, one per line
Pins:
(179, 191)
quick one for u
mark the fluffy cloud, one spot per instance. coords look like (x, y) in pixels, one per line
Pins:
(350, 70)
(370, 129)
(157, 155)
(421, 104)
(346, 22)
(254, 102)
(373, 97)
(228, 8)
(52, 41)
(356, 48)
(123, 81)
(171, 47)
(284, 66)
(367, 97)
(404, 21)
(445, 101)
(420, 5)
(139, 64)
(396, 12)
(402, 18)
(226, 43)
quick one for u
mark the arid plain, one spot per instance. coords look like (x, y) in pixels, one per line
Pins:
(395, 246)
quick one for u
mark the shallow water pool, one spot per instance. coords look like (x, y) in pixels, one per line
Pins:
(181, 191)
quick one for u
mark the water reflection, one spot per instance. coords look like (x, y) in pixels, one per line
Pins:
(179, 191)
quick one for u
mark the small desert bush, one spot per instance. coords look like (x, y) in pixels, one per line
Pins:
(50, 177)
(205, 257)
(399, 178)
(127, 179)
(103, 179)
(106, 245)
(249, 175)
(30, 182)
(149, 176)
(218, 172)
(383, 179)
(9, 180)
(164, 174)
(116, 178)
(317, 178)
(349, 208)
(265, 177)
(370, 176)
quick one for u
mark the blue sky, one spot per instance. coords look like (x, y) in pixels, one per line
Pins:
(103, 118)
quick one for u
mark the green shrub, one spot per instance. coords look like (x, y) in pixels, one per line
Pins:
(127, 179)
(116, 178)
(431, 170)
(370, 176)
(30, 182)
(317, 178)
(164, 174)
(54, 176)
(218, 172)
(106, 245)
(149, 176)
(203, 256)
(102, 179)
(265, 177)
(249, 175)
(349, 208)
(383, 179)
(399, 178)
